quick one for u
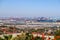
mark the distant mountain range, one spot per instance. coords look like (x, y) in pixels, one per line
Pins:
(38, 19)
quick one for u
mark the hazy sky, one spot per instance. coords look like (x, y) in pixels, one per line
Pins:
(30, 8)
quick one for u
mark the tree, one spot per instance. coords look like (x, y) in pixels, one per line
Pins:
(6, 37)
(38, 38)
(9, 37)
(22, 36)
(57, 34)
(1, 38)
(28, 36)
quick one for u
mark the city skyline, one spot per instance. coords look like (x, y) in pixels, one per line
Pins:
(30, 8)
